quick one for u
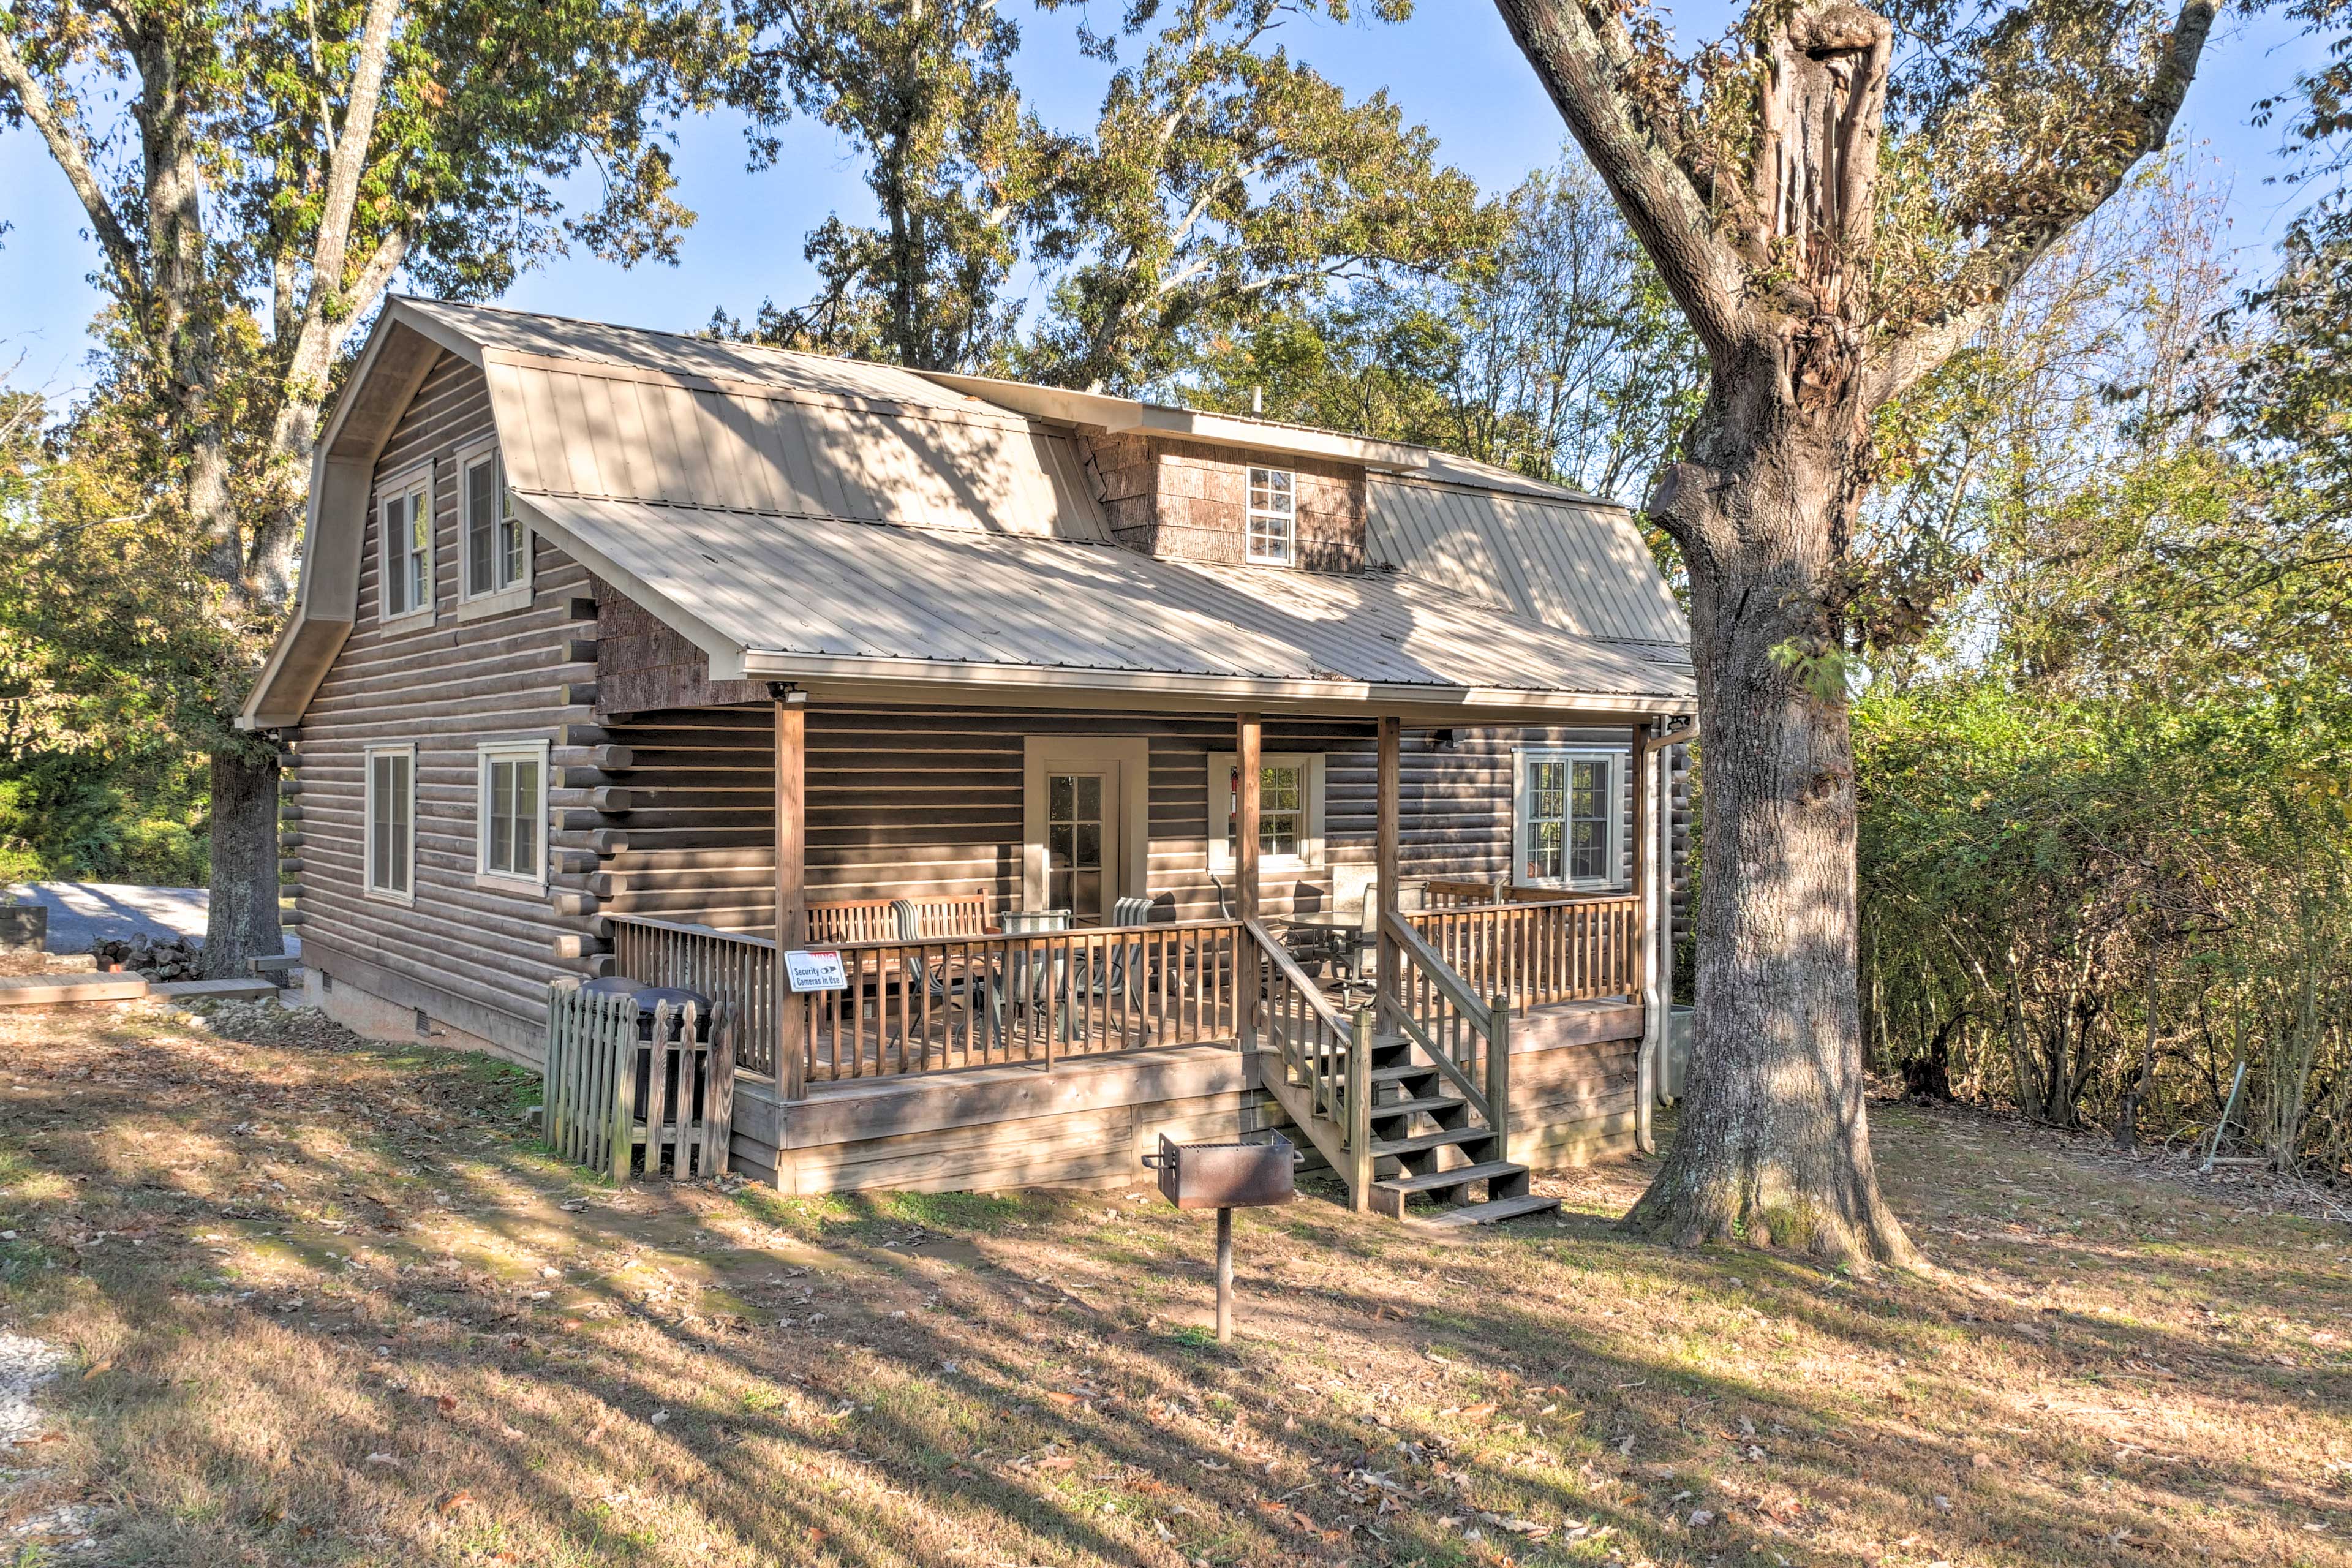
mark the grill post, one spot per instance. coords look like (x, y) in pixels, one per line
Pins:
(1224, 1277)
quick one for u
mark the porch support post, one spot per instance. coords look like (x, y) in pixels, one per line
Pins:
(792, 883)
(1246, 754)
(1249, 962)
(1646, 921)
(1385, 855)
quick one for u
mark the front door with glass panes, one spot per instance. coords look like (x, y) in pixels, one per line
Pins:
(1566, 806)
(1082, 843)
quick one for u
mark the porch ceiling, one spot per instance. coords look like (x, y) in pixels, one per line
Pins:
(827, 601)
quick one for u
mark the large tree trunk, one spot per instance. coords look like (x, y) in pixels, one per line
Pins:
(242, 923)
(1771, 1147)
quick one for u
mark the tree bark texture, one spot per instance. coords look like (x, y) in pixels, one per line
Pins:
(1772, 1147)
(1759, 210)
(241, 925)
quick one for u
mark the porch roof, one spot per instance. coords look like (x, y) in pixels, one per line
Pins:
(825, 600)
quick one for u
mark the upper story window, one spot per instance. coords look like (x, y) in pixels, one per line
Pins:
(1569, 825)
(1272, 517)
(497, 546)
(406, 526)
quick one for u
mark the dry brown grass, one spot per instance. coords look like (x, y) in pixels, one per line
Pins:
(328, 1306)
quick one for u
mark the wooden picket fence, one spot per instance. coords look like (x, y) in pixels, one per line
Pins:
(622, 1102)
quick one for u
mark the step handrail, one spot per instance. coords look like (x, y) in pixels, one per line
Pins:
(1491, 1020)
(1288, 967)
(1441, 973)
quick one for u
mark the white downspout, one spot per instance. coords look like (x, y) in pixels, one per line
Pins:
(1655, 917)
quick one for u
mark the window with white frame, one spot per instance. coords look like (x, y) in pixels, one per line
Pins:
(498, 547)
(1272, 517)
(512, 830)
(1289, 810)
(405, 516)
(391, 822)
(1569, 824)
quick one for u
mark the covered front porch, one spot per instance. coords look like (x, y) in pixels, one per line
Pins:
(1167, 967)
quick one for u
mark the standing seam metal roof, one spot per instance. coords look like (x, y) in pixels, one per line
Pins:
(827, 588)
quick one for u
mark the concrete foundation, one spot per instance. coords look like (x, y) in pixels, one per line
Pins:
(374, 1017)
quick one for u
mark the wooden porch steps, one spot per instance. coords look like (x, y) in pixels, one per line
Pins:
(1407, 1091)
(1489, 1212)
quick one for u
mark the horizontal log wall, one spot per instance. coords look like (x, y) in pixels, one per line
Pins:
(926, 803)
(476, 955)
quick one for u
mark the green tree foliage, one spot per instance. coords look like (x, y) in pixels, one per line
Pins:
(1554, 352)
(256, 174)
(1226, 181)
(2104, 853)
(96, 780)
(925, 88)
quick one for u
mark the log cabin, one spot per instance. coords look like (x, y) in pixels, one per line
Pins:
(1153, 771)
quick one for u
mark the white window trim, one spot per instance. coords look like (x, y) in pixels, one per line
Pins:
(1310, 856)
(1250, 514)
(417, 476)
(368, 888)
(1523, 756)
(473, 599)
(484, 755)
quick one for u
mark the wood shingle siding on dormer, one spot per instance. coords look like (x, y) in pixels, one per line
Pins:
(1184, 501)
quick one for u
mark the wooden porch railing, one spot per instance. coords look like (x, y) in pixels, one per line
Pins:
(955, 1002)
(982, 1000)
(734, 968)
(1568, 949)
(877, 919)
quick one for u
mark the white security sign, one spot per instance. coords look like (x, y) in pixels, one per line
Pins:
(817, 971)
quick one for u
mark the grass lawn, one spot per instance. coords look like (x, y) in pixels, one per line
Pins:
(326, 1302)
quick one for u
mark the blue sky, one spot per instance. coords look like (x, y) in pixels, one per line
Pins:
(1453, 67)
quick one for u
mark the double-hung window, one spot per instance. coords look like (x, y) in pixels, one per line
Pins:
(392, 823)
(498, 547)
(1569, 824)
(405, 519)
(512, 832)
(1289, 810)
(1272, 517)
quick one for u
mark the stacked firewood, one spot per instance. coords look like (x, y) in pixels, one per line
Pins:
(173, 958)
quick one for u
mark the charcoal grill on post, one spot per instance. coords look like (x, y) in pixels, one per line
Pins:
(1224, 1177)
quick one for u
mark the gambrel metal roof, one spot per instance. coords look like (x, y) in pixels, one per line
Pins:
(801, 517)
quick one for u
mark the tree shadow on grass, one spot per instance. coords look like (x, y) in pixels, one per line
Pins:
(883, 1379)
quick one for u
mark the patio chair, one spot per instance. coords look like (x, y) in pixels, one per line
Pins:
(936, 981)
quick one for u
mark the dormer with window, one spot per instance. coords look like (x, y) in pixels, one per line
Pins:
(1220, 506)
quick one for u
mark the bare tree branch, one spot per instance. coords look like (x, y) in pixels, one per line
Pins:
(71, 150)
(1584, 58)
(351, 152)
(2006, 256)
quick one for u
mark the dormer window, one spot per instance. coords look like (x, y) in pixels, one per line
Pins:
(498, 547)
(1272, 517)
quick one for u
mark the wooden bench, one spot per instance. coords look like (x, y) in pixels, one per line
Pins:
(871, 920)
